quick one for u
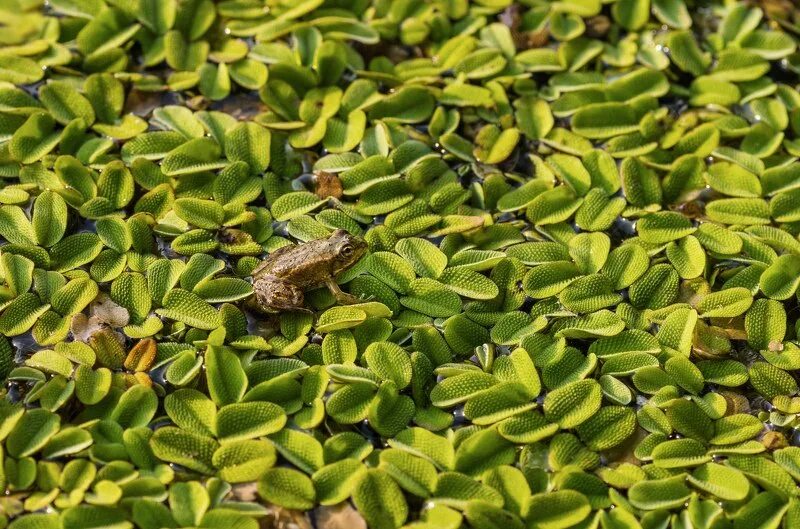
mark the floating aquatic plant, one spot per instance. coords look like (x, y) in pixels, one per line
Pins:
(578, 308)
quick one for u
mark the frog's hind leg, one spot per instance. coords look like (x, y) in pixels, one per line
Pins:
(283, 296)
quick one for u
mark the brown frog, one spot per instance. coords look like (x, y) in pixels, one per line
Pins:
(281, 280)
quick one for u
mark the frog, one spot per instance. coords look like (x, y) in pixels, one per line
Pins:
(281, 280)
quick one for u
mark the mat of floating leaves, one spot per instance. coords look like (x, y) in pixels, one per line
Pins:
(579, 307)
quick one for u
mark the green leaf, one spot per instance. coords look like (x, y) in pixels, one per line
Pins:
(726, 303)
(288, 488)
(205, 214)
(335, 482)
(227, 381)
(781, 279)
(557, 510)
(247, 420)
(94, 517)
(390, 362)
(108, 30)
(75, 250)
(65, 103)
(34, 139)
(244, 461)
(292, 205)
(74, 296)
(136, 407)
(664, 493)
(574, 403)
(191, 450)
(49, 218)
(192, 411)
(425, 257)
(37, 521)
(249, 143)
(765, 324)
(19, 70)
(379, 500)
(32, 432)
(194, 156)
(190, 309)
(533, 116)
(129, 290)
(20, 315)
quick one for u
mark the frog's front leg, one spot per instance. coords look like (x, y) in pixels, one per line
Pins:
(341, 297)
(275, 295)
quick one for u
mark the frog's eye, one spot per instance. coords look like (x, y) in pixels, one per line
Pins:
(346, 250)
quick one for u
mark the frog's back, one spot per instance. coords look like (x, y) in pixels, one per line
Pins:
(265, 267)
(304, 265)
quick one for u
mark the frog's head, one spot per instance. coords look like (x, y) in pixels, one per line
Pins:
(348, 249)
